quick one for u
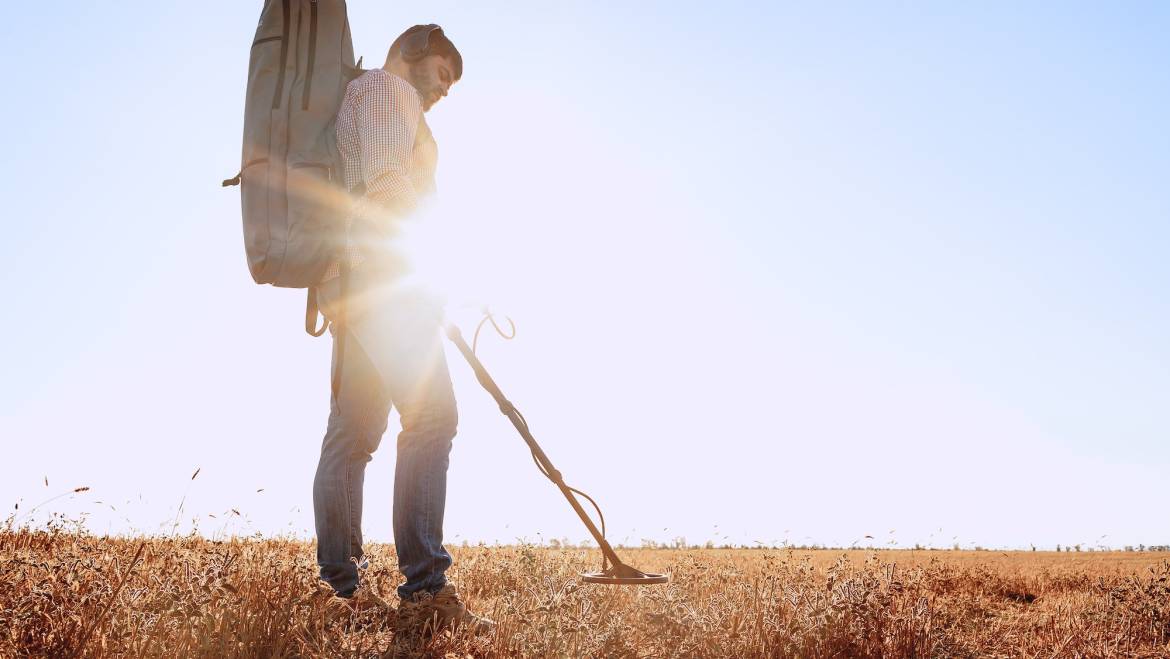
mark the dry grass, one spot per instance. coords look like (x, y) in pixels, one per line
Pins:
(71, 594)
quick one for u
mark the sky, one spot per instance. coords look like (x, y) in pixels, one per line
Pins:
(780, 273)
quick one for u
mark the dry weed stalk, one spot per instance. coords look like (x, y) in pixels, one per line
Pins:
(73, 594)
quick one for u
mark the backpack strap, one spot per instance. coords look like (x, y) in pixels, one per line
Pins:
(340, 324)
(311, 311)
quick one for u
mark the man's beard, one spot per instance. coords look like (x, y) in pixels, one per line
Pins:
(429, 91)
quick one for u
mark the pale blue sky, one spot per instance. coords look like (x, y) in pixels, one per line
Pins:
(803, 273)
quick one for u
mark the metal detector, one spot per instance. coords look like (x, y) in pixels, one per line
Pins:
(616, 572)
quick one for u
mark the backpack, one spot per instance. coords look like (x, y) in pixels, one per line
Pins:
(293, 199)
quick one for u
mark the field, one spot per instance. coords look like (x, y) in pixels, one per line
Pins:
(65, 594)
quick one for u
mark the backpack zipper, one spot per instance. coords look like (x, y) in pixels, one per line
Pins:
(312, 54)
(283, 55)
(235, 180)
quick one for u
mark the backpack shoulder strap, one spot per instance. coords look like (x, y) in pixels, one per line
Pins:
(311, 312)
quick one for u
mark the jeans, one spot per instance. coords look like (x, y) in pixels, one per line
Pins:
(393, 356)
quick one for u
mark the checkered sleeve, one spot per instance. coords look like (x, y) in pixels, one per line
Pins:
(387, 122)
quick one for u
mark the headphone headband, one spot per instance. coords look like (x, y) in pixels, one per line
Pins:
(417, 43)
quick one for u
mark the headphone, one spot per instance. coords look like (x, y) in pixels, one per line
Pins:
(417, 42)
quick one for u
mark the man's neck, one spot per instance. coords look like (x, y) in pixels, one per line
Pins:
(398, 68)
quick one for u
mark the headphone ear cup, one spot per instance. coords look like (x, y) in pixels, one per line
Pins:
(417, 45)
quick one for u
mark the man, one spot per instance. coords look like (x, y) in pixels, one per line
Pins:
(386, 340)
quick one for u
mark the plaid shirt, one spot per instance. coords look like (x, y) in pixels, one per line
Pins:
(385, 143)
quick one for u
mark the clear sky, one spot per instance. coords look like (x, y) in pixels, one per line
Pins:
(780, 272)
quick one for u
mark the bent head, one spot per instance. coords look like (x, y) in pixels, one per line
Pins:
(426, 58)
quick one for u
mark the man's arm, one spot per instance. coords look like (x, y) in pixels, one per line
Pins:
(387, 122)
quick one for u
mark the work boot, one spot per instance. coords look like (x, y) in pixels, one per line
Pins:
(362, 609)
(424, 614)
(364, 599)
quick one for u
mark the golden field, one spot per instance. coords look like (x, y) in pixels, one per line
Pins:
(69, 594)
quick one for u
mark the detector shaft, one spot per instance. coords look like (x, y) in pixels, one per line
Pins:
(510, 411)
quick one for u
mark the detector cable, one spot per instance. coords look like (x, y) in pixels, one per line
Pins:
(489, 316)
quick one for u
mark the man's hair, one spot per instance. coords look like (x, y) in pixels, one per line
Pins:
(437, 44)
